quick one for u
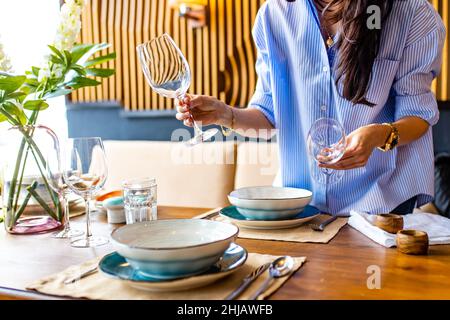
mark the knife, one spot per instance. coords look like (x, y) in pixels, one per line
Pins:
(248, 280)
(82, 275)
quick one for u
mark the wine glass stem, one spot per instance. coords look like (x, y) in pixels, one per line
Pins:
(197, 130)
(88, 217)
(327, 171)
(66, 213)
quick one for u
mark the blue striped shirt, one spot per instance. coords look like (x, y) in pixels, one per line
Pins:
(296, 86)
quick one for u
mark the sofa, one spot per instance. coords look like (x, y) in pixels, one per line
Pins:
(200, 176)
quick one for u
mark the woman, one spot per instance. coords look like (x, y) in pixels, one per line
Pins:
(323, 58)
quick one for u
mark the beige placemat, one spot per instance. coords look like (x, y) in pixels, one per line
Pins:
(98, 286)
(303, 233)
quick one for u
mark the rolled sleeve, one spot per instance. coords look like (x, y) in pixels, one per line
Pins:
(419, 66)
(262, 98)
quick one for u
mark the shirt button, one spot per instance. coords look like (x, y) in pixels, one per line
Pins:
(323, 108)
(325, 69)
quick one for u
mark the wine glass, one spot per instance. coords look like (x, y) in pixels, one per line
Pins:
(55, 178)
(167, 72)
(85, 173)
(326, 144)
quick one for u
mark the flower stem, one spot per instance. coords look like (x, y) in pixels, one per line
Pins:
(33, 186)
(42, 203)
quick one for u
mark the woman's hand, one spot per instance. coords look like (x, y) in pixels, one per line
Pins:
(360, 145)
(204, 109)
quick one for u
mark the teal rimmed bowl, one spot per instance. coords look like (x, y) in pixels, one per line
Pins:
(170, 249)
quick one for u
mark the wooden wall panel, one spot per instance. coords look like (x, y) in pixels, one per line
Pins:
(221, 55)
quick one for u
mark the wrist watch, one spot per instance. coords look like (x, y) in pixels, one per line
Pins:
(392, 140)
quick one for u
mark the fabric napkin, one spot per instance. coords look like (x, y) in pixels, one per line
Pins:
(437, 227)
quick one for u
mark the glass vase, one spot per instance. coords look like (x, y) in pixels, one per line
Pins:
(30, 204)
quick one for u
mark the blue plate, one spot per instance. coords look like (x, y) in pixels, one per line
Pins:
(233, 214)
(115, 266)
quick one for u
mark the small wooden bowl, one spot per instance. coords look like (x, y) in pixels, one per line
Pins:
(412, 242)
(389, 222)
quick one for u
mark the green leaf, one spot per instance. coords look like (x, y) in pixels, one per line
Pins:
(103, 73)
(3, 118)
(78, 69)
(81, 82)
(13, 109)
(35, 105)
(16, 95)
(84, 51)
(67, 57)
(80, 50)
(57, 52)
(56, 60)
(35, 71)
(11, 84)
(100, 60)
(57, 93)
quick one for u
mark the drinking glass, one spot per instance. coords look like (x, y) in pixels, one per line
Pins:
(55, 177)
(85, 173)
(326, 144)
(140, 200)
(167, 72)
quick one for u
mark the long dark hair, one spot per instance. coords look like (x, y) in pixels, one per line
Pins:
(358, 45)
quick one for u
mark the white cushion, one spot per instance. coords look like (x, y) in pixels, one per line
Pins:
(257, 164)
(200, 176)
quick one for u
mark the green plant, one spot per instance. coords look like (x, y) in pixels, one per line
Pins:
(68, 67)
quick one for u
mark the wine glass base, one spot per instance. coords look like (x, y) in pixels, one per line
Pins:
(89, 242)
(67, 234)
(204, 136)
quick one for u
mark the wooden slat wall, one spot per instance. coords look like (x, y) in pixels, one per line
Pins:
(221, 55)
(441, 85)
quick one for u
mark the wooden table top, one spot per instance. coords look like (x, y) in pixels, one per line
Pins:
(337, 270)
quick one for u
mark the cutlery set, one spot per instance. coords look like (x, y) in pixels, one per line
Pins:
(197, 252)
(281, 267)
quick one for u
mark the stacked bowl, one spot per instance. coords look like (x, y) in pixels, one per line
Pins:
(172, 249)
(270, 203)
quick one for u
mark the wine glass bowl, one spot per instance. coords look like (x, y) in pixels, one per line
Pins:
(167, 72)
(165, 68)
(85, 173)
(326, 144)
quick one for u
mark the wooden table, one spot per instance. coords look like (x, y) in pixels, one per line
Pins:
(337, 270)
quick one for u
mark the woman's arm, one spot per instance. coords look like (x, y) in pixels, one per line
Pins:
(363, 141)
(209, 110)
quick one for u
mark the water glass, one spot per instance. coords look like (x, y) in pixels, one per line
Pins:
(140, 200)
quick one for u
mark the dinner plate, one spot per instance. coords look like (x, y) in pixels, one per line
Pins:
(115, 266)
(234, 216)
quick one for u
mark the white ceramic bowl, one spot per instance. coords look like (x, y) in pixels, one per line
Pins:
(170, 249)
(269, 215)
(270, 198)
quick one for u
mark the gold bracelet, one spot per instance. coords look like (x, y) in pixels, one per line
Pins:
(228, 132)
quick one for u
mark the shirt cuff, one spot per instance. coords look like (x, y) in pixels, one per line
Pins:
(423, 106)
(263, 103)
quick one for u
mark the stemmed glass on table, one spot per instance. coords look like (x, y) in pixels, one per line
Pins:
(168, 74)
(55, 177)
(85, 173)
(326, 144)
